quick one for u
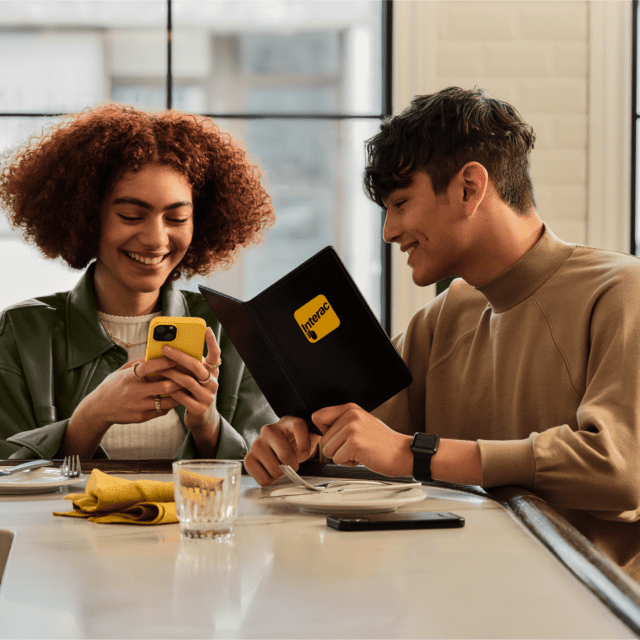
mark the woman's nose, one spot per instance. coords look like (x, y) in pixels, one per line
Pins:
(154, 234)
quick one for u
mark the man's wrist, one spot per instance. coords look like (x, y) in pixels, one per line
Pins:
(407, 458)
(424, 446)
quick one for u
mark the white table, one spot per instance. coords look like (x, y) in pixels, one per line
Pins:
(284, 574)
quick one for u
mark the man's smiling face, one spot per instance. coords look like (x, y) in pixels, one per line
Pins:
(426, 227)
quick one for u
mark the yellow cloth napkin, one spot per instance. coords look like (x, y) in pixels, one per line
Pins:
(115, 500)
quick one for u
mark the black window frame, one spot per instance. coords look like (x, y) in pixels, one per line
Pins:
(386, 110)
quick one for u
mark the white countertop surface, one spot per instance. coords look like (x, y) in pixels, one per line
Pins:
(284, 574)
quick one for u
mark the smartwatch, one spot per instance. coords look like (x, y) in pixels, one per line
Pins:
(424, 446)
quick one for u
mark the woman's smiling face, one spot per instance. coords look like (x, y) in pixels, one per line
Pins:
(146, 228)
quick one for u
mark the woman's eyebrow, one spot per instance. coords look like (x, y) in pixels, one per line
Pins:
(146, 205)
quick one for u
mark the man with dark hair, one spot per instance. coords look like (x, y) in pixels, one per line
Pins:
(525, 369)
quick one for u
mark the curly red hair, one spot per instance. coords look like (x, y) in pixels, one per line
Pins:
(52, 188)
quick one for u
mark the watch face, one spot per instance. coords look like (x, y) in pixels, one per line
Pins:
(425, 441)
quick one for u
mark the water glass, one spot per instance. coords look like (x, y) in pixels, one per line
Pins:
(207, 493)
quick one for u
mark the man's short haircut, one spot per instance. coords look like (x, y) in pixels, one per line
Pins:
(440, 133)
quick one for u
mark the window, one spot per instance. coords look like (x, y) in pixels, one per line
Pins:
(301, 82)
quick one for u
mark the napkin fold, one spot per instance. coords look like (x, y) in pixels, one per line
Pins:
(112, 500)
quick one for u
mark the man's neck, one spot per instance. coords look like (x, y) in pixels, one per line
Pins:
(501, 242)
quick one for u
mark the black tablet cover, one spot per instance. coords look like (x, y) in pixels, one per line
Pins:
(311, 341)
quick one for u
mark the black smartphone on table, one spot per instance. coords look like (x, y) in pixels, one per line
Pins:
(385, 521)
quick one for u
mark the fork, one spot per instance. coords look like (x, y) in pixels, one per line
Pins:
(71, 467)
(348, 484)
(296, 479)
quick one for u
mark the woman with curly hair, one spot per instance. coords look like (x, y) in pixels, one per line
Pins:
(142, 199)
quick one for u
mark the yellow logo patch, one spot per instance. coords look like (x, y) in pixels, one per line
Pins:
(316, 319)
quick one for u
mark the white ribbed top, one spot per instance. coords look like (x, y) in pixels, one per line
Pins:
(157, 438)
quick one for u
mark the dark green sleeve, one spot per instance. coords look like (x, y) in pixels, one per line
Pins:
(17, 415)
(252, 411)
(28, 427)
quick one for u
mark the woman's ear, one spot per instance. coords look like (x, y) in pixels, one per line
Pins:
(474, 178)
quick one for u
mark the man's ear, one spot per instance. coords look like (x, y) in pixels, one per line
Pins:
(474, 179)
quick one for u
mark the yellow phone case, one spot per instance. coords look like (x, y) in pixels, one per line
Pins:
(189, 336)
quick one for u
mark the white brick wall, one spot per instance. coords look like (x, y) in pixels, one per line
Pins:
(534, 55)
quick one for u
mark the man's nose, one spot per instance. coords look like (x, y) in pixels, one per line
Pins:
(390, 231)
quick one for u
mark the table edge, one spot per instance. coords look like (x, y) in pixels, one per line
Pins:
(579, 555)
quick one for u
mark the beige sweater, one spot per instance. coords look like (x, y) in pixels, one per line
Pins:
(541, 366)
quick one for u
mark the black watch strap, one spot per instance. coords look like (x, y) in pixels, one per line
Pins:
(424, 447)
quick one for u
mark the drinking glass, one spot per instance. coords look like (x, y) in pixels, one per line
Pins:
(207, 494)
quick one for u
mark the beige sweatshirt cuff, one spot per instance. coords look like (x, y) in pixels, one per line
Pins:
(507, 462)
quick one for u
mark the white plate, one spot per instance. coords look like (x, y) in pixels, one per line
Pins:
(40, 480)
(373, 502)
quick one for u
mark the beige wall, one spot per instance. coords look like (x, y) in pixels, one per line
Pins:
(562, 64)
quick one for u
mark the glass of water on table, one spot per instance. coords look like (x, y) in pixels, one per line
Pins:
(207, 493)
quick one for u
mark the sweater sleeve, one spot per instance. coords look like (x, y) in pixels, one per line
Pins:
(595, 467)
(405, 412)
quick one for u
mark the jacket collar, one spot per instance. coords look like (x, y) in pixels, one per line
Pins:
(85, 334)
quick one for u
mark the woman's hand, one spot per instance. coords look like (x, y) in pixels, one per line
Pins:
(123, 397)
(126, 396)
(196, 388)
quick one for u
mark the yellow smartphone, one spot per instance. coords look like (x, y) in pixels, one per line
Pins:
(186, 334)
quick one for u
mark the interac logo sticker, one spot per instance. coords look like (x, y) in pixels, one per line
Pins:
(317, 319)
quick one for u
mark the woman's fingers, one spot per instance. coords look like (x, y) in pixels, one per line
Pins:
(194, 367)
(195, 397)
(142, 367)
(160, 406)
(213, 349)
(161, 388)
(201, 370)
(193, 386)
(175, 378)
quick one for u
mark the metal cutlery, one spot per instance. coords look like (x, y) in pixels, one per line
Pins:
(346, 486)
(27, 466)
(383, 490)
(296, 479)
(399, 486)
(71, 467)
(339, 483)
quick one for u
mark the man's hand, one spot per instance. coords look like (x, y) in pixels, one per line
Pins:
(352, 436)
(288, 441)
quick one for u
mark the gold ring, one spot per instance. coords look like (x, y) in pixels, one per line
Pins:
(207, 381)
(215, 366)
(133, 372)
(158, 406)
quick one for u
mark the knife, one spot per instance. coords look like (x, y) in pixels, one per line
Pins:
(27, 466)
(387, 489)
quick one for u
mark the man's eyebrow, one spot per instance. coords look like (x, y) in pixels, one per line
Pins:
(146, 205)
(395, 194)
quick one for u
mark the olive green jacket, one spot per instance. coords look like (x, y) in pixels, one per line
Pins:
(54, 351)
